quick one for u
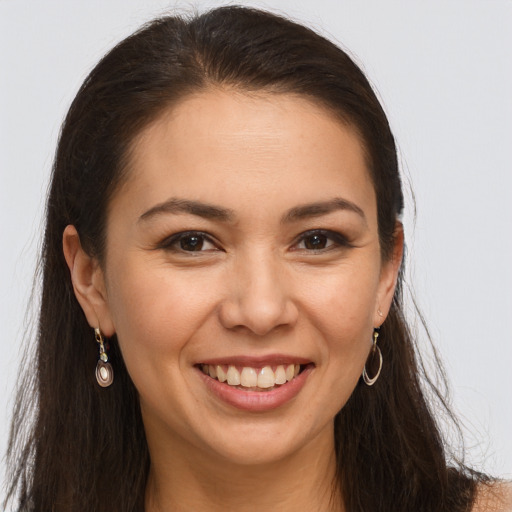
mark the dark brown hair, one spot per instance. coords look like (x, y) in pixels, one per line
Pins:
(86, 449)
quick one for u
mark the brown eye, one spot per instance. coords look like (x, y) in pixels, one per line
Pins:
(316, 242)
(188, 241)
(191, 243)
(321, 240)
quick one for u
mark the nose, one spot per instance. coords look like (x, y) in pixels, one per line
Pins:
(259, 297)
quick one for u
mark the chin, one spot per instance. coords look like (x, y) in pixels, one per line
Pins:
(266, 443)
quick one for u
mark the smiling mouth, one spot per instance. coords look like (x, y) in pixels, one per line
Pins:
(248, 378)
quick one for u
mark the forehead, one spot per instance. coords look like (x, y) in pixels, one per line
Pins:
(219, 144)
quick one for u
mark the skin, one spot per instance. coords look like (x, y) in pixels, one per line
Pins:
(256, 289)
(495, 497)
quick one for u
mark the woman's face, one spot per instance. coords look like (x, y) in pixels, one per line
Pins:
(243, 244)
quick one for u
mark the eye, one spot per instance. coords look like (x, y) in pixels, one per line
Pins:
(315, 242)
(320, 240)
(190, 241)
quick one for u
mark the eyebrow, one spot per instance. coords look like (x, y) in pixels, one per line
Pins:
(197, 208)
(322, 208)
(213, 212)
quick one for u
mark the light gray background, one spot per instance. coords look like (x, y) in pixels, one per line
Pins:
(442, 69)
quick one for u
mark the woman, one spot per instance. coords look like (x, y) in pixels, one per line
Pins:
(221, 322)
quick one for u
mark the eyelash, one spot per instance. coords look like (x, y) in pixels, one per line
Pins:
(337, 239)
(169, 243)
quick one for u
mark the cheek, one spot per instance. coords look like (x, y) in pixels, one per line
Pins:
(343, 303)
(156, 315)
(155, 312)
(341, 310)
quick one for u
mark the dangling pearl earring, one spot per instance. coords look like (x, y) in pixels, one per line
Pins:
(370, 381)
(104, 370)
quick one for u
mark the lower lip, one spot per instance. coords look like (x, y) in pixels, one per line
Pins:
(257, 401)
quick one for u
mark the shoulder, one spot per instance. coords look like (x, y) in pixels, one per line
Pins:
(494, 497)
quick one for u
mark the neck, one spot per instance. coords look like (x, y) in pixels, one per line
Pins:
(201, 481)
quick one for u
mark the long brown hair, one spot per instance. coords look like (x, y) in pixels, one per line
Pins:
(85, 448)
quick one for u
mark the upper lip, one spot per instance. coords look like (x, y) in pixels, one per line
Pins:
(256, 361)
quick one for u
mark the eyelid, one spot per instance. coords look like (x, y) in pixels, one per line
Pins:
(339, 239)
(168, 242)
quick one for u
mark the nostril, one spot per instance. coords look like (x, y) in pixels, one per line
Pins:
(260, 317)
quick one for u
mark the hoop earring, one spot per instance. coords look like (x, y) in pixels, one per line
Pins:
(370, 381)
(104, 370)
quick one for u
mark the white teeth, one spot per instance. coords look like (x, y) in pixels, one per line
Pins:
(221, 374)
(266, 378)
(249, 378)
(233, 376)
(280, 375)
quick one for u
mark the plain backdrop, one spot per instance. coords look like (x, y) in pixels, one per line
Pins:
(442, 69)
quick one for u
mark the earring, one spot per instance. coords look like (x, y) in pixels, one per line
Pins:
(370, 381)
(104, 370)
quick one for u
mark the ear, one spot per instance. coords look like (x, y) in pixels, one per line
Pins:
(88, 282)
(388, 277)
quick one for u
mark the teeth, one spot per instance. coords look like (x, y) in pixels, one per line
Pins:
(233, 376)
(266, 378)
(290, 372)
(248, 377)
(221, 374)
(280, 375)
